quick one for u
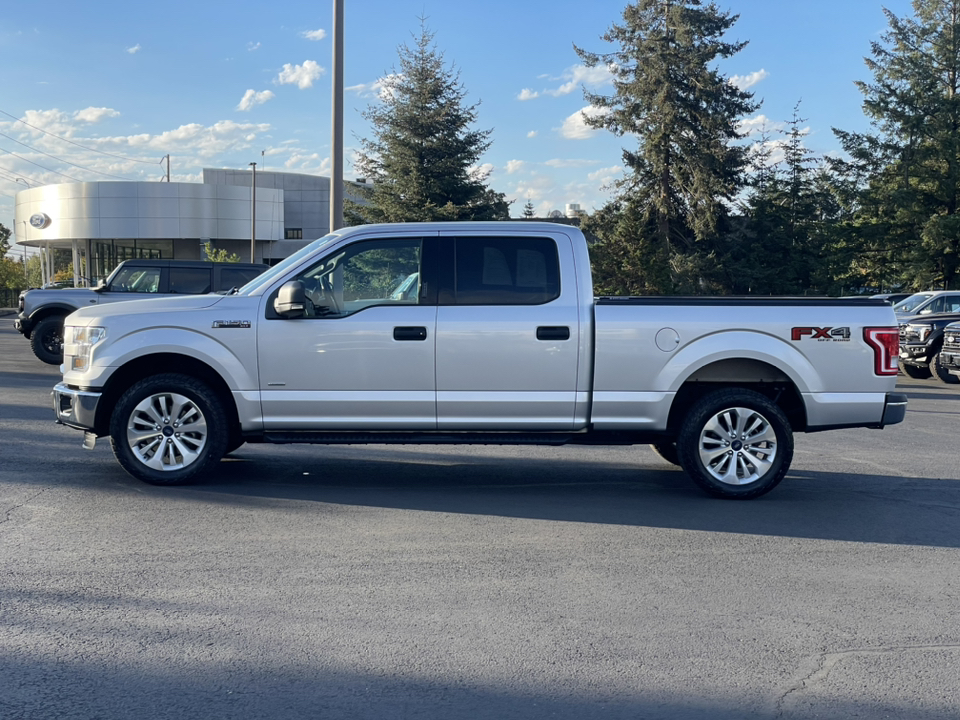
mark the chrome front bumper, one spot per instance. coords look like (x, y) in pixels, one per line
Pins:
(75, 408)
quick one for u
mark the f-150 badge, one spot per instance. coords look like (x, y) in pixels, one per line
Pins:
(231, 324)
(840, 334)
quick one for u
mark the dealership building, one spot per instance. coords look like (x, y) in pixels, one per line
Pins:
(104, 223)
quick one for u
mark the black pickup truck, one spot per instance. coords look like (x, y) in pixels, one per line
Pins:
(41, 312)
(922, 346)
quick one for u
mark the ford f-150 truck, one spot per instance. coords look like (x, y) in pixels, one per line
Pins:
(473, 333)
(41, 312)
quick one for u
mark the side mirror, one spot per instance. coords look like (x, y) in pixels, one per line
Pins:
(291, 300)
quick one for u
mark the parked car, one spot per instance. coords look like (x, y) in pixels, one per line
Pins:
(929, 302)
(950, 353)
(41, 312)
(473, 333)
(921, 345)
(892, 298)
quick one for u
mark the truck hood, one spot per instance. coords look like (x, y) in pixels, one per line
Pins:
(935, 318)
(143, 307)
(68, 296)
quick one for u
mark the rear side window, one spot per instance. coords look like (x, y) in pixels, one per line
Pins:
(236, 277)
(506, 271)
(190, 281)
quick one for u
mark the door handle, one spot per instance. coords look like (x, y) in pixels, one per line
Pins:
(550, 332)
(409, 333)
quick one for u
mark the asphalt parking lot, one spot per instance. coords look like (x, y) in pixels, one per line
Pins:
(460, 582)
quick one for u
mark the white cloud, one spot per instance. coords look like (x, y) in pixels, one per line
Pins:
(300, 75)
(746, 81)
(514, 166)
(251, 46)
(318, 34)
(570, 162)
(480, 172)
(134, 50)
(582, 75)
(759, 124)
(527, 94)
(574, 127)
(532, 134)
(94, 115)
(378, 88)
(251, 99)
(605, 176)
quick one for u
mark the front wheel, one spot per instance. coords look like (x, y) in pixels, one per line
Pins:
(941, 372)
(735, 444)
(916, 372)
(46, 340)
(168, 429)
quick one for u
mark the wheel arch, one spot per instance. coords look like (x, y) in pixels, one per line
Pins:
(139, 368)
(746, 373)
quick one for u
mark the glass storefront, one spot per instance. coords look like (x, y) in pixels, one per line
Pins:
(107, 254)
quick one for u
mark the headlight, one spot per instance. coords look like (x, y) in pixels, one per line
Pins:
(78, 343)
(921, 331)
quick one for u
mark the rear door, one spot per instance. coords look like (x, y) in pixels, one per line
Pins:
(507, 333)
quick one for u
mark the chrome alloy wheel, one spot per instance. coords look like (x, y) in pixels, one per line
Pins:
(166, 431)
(738, 446)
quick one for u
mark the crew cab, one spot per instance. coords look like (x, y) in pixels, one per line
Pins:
(473, 333)
(41, 312)
(922, 344)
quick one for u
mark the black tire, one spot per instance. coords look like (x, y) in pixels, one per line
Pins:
(46, 340)
(758, 436)
(668, 451)
(189, 433)
(941, 372)
(917, 372)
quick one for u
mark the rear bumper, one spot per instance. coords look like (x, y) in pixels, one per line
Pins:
(75, 408)
(894, 409)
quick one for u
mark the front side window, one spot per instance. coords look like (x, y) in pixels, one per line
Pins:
(136, 280)
(366, 274)
(506, 271)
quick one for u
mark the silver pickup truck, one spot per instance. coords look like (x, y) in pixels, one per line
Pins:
(473, 333)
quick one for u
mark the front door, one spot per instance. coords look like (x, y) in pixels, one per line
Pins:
(362, 357)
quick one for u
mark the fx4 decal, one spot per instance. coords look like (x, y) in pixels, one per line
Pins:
(840, 334)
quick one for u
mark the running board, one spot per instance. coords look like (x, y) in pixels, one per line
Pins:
(347, 437)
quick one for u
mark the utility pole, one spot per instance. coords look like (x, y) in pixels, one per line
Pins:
(336, 144)
(167, 158)
(253, 215)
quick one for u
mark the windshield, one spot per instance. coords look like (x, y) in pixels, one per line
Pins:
(908, 305)
(268, 276)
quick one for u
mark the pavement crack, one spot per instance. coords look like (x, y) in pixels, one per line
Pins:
(815, 670)
(13, 508)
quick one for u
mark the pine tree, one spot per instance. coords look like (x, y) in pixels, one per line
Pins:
(528, 212)
(684, 112)
(908, 221)
(423, 153)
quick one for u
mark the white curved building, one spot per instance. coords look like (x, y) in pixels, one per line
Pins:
(104, 223)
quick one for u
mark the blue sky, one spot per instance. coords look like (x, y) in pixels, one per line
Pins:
(215, 84)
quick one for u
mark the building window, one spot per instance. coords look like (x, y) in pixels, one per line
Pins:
(293, 234)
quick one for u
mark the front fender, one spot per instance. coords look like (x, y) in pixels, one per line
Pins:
(236, 363)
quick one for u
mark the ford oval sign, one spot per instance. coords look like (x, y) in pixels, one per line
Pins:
(39, 220)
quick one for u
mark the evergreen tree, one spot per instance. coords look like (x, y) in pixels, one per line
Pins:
(423, 153)
(908, 221)
(688, 167)
(528, 212)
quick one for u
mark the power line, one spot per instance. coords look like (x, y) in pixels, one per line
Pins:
(40, 166)
(13, 174)
(83, 147)
(61, 159)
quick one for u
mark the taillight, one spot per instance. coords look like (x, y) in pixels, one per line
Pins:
(885, 342)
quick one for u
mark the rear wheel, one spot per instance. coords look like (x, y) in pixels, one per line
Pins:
(168, 429)
(917, 372)
(735, 443)
(941, 372)
(46, 340)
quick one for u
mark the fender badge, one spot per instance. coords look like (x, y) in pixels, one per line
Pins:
(231, 324)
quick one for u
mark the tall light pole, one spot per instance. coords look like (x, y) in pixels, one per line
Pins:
(253, 215)
(26, 275)
(336, 144)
